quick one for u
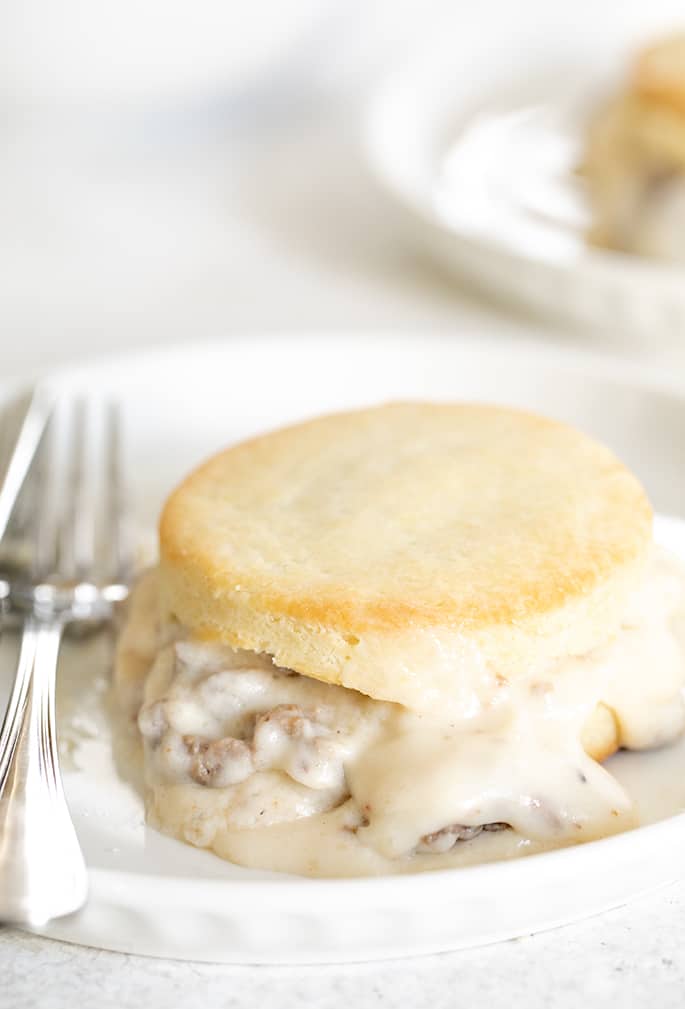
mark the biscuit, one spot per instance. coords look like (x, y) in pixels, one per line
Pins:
(396, 549)
(659, 72)
(635, 151)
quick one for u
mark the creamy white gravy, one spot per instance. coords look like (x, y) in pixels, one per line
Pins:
(272, 769)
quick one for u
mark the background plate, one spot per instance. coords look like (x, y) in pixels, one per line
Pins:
(478, 142)
(153, 895)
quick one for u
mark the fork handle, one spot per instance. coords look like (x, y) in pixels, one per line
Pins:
(42, 871)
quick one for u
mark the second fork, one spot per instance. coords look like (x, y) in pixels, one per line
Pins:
(67, 578)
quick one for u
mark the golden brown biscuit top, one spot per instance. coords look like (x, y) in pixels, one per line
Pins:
(311, 540)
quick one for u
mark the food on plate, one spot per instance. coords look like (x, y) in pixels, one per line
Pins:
(402, 638)
(635, 157)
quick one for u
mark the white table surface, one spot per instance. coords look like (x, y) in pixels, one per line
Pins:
(206, 228)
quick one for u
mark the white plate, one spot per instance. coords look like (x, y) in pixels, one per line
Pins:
(478, 143)
(153, 895)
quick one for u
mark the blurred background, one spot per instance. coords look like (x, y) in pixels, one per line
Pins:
(174, 170)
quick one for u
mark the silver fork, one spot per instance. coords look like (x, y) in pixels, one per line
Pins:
(42, 870)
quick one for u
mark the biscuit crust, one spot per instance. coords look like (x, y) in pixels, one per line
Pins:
(659, 73)
(390, 549)
(636, 147)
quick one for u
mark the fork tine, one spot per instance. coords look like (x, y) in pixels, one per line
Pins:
(115, 523)
(42, 524)
(77, 535)
(6, 432)
(39, 411)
